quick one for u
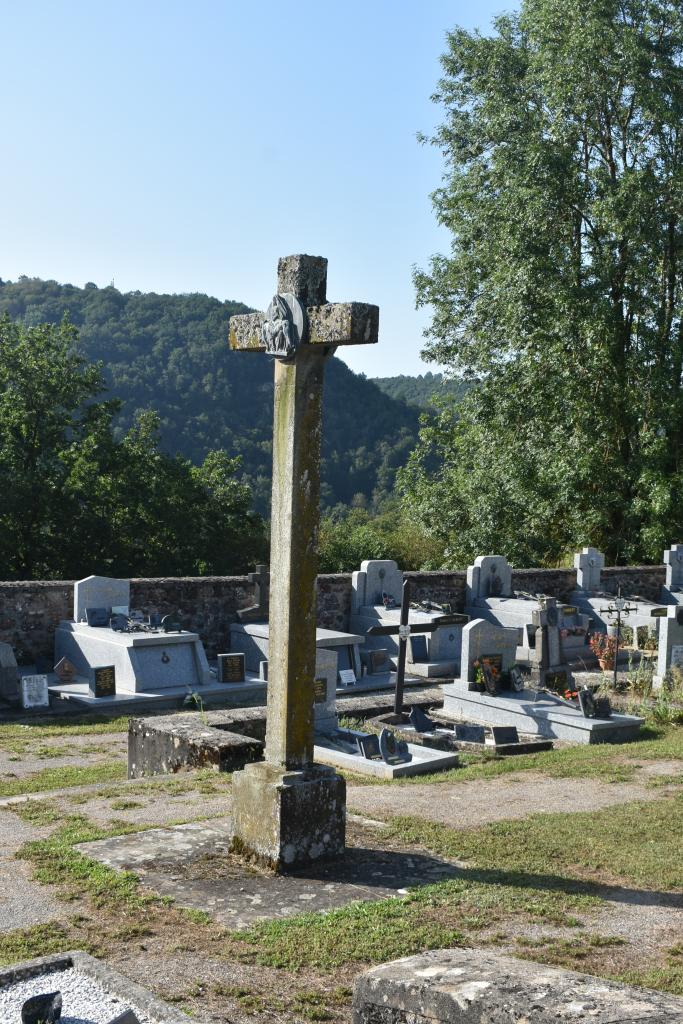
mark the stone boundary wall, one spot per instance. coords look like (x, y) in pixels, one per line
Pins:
(30, 611)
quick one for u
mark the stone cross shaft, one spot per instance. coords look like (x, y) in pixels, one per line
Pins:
(301, 330)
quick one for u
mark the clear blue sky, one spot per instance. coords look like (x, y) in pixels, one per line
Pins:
(175, 147)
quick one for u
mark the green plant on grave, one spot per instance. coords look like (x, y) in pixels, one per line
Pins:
(639, 678)
(194, 698)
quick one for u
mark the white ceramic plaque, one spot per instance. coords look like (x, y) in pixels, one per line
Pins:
(34, 692)
(347, 677)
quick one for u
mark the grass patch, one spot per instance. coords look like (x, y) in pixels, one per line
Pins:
(606, 762)
(634, 843)
(17, 737)
(27, 943)
(64, 778)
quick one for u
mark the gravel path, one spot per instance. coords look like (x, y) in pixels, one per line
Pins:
(468, 804)
(23, 902)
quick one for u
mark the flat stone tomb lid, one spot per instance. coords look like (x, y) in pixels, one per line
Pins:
(323, 637)
(108, 636)
(391, 615)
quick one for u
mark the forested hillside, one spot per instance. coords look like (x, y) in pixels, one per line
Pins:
(420, 390)
(170, 353)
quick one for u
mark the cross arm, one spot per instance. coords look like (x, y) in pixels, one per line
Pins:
(334, 323)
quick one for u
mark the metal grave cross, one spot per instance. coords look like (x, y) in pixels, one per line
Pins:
(617, 609)
(301, 329)
(405, 629)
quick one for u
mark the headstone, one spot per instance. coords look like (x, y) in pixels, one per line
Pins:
(392, 749)
(231, 668)
(420, 721)
(375, 660)
(670, 643)
(503, 734)
(99, 592)
(287, 810)
(9, 674)
(103, 682)
(490, 576)
(589, 563)
(673, 560)
(34, 692)
(470, 733)
(482, 639)
(42, 1009)
(258, 612)
(376, 578)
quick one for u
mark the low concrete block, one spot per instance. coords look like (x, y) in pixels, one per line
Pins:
(465, 986)
(174, 743)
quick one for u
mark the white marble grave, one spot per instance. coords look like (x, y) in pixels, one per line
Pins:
(489, 595)
(146, 664)
(530, 712)
(382, 576)
(593, 600)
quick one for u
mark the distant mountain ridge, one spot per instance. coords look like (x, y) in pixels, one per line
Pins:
(170, 353)
(420, 390)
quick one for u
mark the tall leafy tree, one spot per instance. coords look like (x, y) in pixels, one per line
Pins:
(562, 296)
(75, 500)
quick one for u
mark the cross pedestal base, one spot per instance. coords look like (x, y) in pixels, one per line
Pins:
(288, 819)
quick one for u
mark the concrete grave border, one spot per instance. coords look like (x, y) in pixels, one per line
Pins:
(111, 981)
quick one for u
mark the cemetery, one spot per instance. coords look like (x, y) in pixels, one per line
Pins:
(316, 757)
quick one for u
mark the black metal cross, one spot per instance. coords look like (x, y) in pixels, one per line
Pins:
(404, 630)
(619, 607)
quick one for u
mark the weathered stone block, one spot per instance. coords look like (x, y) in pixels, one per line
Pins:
(288, 819)
(175, 743)
(466, 986)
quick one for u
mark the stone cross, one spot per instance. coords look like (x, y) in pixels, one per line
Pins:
(589, 563)
(301, 330)
(673, 560)
(257, 612)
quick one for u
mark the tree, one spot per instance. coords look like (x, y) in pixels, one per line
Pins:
(561, 298)
(74, 500)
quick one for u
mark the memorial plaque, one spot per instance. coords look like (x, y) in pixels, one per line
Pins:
(418, 649)
(516, 680)
(231, 668)
(569, 609)
(97, 616)
(103, 682)
(34, 692)
(503, 734)
(659, 613)
(677, 655)
(319, 690)
(470, 733)
(347, 677)
(65, 670)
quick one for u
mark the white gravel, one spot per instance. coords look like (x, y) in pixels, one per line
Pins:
(84, 1001)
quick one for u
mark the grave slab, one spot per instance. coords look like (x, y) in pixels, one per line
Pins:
(538, 716)
(424, 760)
(469, 986)
(253, 640)
(192, 864)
